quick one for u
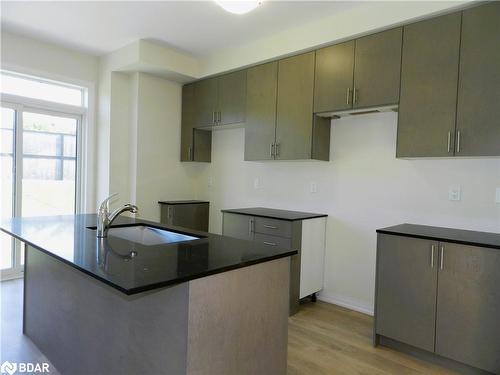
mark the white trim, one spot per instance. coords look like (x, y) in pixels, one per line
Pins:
(347, 302)
(42, 104)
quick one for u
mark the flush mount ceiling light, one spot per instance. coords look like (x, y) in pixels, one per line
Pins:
(239, 7)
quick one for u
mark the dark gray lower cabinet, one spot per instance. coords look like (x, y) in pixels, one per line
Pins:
(441, 297)
(238, 226)
(187, 214)
(406, 290)
(468, 307)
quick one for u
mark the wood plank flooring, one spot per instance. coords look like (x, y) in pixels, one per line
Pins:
(325, 339)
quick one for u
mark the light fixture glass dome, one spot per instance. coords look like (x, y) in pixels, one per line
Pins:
(237, 6)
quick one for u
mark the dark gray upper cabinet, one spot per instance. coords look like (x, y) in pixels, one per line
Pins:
(478, 111)
(334, 77)
(359, 74)
(295, 122)
(205, 102)
(468, 306)
(428, 98)
(231, 98)
(195, 144)
(377, 68)
(260, 127)
(406, 290)
(187, 122)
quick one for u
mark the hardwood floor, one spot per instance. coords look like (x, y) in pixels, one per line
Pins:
(330, 340)
(322, 339)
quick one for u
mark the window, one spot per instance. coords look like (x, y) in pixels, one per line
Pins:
(40, 154)
(36, 88)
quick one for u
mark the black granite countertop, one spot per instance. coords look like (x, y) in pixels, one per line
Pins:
(182, 202)
(465, 237)
(70, 240)
(274, 213)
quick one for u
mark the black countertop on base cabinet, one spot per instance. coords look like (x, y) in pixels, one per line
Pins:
(72, 239)
(272, 213)
(461, 236)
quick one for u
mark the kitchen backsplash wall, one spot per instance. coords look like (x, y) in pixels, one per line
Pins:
(362, 188)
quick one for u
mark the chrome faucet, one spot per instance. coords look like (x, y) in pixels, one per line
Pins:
(104, 219)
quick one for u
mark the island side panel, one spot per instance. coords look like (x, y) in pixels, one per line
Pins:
(86, 327)
(238, 321)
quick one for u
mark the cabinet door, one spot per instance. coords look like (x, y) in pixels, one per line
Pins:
(231, 98)
(205, 102)
(334, 77)
(406, 290)
(429, 75)
(377, 69)
(468, 306)
(260, 127)
(202, 145)
(191, 216)
(478, 110)
(238, 226)
(294, 114)
(187, 122)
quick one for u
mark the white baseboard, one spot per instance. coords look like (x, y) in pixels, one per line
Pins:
(348, 303)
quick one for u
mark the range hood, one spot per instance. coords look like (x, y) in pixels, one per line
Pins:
(356, 112)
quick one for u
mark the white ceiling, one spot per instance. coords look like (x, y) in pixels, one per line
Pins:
(197, 27)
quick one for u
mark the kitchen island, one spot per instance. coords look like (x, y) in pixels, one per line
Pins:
(133, 304)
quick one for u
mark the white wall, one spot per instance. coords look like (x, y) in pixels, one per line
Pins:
(160, 175)
(362, 188)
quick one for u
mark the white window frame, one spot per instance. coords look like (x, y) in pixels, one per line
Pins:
(22, 104)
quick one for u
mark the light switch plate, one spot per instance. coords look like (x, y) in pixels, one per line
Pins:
(455, 193)
(256, 183)
(313, 188)
(497, 199)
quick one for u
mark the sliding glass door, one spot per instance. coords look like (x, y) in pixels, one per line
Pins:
(39, 171)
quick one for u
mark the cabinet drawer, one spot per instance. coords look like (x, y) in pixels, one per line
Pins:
(273, 227)
(273, 241)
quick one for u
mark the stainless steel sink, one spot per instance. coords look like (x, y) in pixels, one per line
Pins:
(148, 236)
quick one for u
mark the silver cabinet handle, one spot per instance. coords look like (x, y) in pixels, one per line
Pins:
(348, 96)
(449, 141)
(271, 150)
(433, 247)
(355, 95)
(219, 116)
(213, 117)
(277, 149)
(270, 226)
(269, 243)
(250, 227)
(441, 265)
(458, 141)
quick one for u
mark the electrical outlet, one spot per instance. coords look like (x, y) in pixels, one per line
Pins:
(455, 193)
(256, 183)
(497, 198)
(313, 187)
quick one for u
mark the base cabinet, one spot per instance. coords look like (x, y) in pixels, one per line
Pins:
(468, 306)
(406, 290)
(187, 214)
(305, 236)
(441, 297)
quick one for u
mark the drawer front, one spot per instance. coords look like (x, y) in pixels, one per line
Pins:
(273, 227)
(273, 241)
